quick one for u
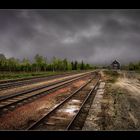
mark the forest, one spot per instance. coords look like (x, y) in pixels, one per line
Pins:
(40, 64)
(132, 66)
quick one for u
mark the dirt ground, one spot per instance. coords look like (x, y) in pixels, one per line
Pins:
(121, 103)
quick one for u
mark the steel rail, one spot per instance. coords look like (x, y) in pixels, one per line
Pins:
(30, 78)
(59, 85)
(37, 123)
(33, 80)
(74, 118)
(2, 98)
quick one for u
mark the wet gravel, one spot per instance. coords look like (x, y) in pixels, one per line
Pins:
(23, 116)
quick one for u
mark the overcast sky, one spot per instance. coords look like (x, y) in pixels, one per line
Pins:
(95, 36)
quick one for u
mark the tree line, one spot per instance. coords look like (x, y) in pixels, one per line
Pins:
(131, 66)
(40, 63)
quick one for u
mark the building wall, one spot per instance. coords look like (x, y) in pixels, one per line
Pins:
(115, 65)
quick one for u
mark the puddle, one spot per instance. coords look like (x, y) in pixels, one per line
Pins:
(70, 109)
(75, 101)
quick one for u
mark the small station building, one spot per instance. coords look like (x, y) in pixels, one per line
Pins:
(115, 65)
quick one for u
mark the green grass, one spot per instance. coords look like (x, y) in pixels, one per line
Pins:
(113, 75)
(26, 75)
(22, 75)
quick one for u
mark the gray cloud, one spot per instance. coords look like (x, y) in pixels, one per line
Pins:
(95, 36)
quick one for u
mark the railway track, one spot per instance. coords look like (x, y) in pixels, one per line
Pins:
(12, 101)
(15, 83)
(29, 78)
(3, 97)
(63, 115)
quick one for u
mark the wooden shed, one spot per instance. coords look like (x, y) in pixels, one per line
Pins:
(115, 65)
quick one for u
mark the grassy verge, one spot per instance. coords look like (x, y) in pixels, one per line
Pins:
(112, 75)
(22, 75)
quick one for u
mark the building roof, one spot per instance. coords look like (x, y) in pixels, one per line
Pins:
(115, 62)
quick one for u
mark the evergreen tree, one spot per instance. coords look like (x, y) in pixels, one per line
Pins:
(75, 65)
(82, 65)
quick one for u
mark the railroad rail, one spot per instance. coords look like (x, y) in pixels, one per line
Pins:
(15, 100)
(22, 82)
(3, 97)
(29, 78)
(63, 115)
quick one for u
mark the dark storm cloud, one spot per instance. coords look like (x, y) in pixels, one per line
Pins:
(95, 36)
